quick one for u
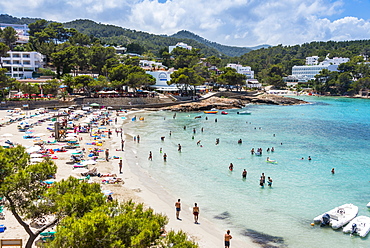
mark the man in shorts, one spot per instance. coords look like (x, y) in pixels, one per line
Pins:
(196, 213)
(178, 209)
(227, 239)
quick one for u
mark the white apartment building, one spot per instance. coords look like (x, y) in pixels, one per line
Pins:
(180, 44)
(304, 73)
(246, 70)
(313, 60)
(22, 64)
(308, 72)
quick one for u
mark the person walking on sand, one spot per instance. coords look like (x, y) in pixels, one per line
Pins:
(150, 156)
(196, 213)
(120, 166)
(227, 239)
(107, 155)
(178, 209)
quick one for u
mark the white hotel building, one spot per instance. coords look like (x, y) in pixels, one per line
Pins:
(22, 64)
(245, 70)
(304, 73)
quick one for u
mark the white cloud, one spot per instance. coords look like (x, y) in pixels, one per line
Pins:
(231, 22)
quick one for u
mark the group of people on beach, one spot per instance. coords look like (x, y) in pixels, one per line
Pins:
(195, 211)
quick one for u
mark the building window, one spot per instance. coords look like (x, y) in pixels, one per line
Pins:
(26, 55)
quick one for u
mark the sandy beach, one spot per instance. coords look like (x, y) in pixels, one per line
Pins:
(137, 184)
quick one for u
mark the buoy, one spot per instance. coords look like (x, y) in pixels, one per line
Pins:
(312, 224)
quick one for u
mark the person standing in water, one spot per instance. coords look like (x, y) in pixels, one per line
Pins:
(269, 181)
(244, 174)
(231, 167)
(165, 157)
(332, 171)
(150, 156)
(196, 213)
(179, 147)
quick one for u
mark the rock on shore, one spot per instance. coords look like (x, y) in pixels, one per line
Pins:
(233, 102)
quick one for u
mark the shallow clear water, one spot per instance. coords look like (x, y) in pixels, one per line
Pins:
(334, 132)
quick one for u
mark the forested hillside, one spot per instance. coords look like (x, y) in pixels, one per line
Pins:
(227, 50)
(111, 34)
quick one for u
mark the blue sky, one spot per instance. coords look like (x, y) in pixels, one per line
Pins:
(229, 22)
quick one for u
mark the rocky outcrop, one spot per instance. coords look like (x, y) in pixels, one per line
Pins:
(234, 102)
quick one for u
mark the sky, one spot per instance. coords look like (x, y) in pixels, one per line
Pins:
(243, 23)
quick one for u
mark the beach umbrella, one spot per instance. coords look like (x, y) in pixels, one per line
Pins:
(7, 135)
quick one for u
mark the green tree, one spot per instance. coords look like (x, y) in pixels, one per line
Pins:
(20, 185)
(9, 36)
(5, 81)
(213, 61)
(274, 76)
(138, 79)
(51, 87)
(324, 81)
(3, 52)
(99, 56)
(185, 58)
(231, 78)
(85, 83)
(186, 79)
(112, 225)
(135, 48)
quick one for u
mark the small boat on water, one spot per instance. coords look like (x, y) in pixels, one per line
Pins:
(359, 225)
(212, 111)
(338, 216)
(224, 113)
(368, 205)
(244, 113)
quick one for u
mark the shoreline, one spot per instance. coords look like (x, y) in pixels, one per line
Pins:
(137, 185)
(157, 197)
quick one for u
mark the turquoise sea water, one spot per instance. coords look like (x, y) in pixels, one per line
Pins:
(335, 132)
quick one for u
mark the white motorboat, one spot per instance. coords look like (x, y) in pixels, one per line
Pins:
(368, 205)
(359, 225)
(338, 216)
